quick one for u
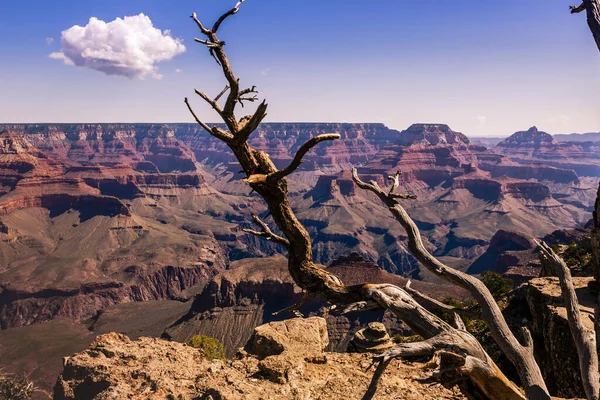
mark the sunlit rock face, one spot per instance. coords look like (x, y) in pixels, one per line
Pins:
(115, 204)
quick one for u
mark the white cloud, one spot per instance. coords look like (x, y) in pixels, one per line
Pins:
(129, 47)
(265, 71)
(49, 41)
(177, 70)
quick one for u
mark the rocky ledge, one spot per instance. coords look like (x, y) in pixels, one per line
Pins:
(283, 360)
(555, 349)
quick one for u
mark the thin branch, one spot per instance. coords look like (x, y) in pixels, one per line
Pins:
(244, 92)
(585, 339)
(200, 26)
(206, 43)
(267, 233)
(222, 93)
(432, 304)
(300, 154)
(577, 9)
(222, 18)
(215, 131)
(295, 306)
(210, 101)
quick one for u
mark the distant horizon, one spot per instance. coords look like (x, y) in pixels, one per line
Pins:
(298, 122)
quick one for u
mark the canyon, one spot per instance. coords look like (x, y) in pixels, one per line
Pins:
(106, 223)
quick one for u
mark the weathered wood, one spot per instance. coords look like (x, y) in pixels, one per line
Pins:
(584, 338)
(521, 356)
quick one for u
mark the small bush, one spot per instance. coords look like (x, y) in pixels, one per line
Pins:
(15, 388)
(498, 285)
(407, 339)
(210, 347)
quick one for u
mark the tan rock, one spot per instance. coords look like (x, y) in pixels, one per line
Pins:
(117, 368)
(301, 337)
(372, 339)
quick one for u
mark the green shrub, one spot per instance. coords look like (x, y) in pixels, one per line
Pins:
(498, 285)
(210, 347)
(407, 339)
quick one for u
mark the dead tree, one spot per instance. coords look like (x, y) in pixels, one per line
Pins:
(459, 355)
(592, 8)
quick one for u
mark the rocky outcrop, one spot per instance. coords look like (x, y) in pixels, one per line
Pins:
(510, 253)
(554, 344)
(533, 146)
(432, 134)
(289, 363)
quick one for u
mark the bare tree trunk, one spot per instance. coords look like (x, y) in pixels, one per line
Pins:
(585, 339)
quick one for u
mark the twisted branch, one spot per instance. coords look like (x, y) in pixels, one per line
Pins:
(234, 10)
(519, 355)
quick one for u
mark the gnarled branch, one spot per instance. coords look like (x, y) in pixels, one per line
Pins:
(519, 355)
(210, 101)
(312, 142)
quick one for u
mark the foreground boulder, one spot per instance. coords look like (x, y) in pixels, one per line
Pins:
(283, 360)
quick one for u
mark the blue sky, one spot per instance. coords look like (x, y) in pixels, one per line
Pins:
(484, 67)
